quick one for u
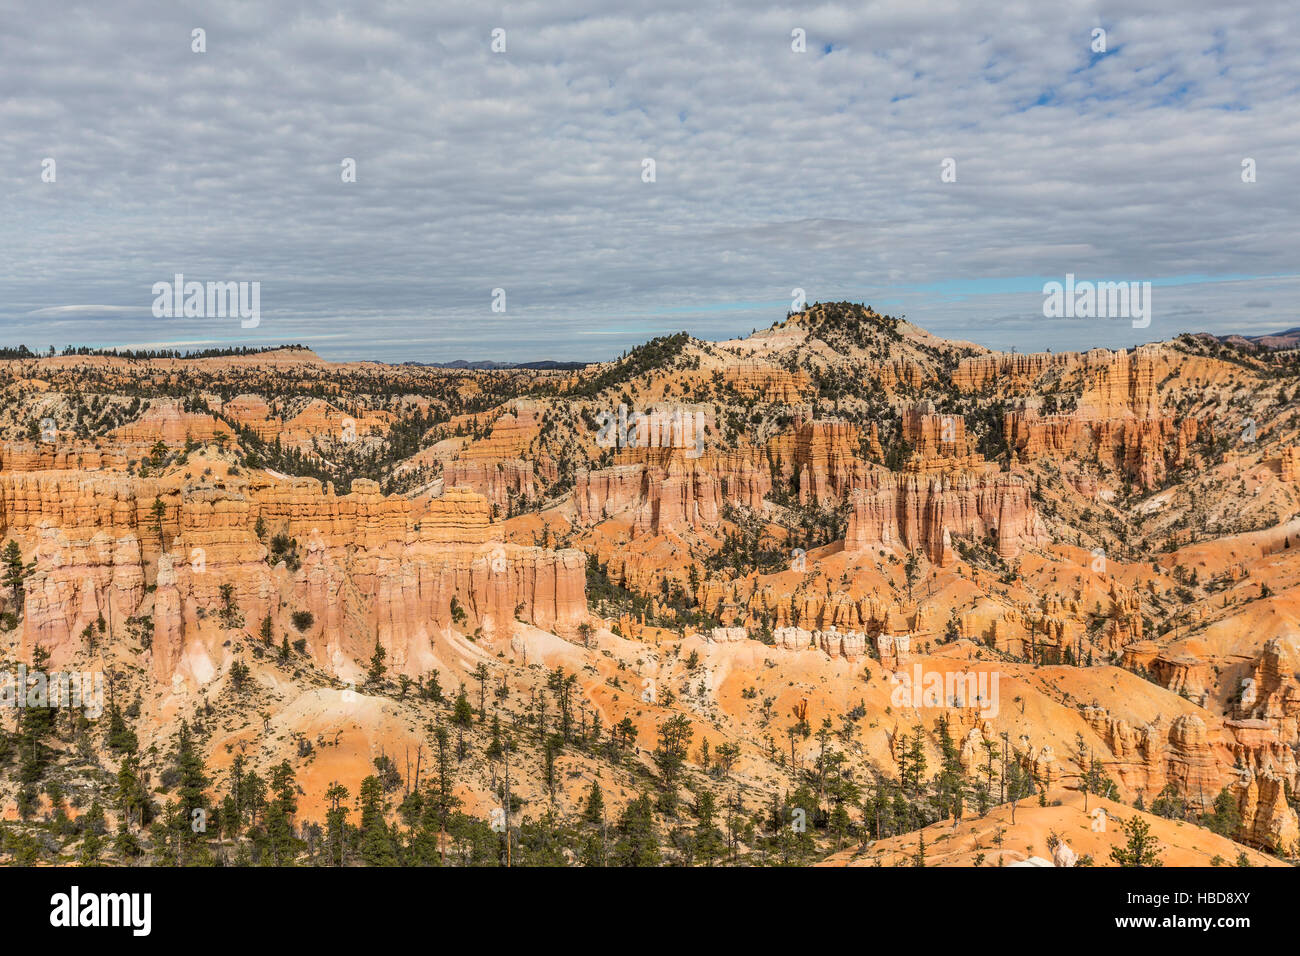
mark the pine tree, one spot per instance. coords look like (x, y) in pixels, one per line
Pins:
(92, 843)
(1081, 755)
(36, 724)
(593, 814)
(494, 751)
(125, 844)
(1226, 818)
(1018, 782)
(279, 830)
(433, 688)
(253, 797)
(440, 802)
(707, 838)
(336, 823)
(638, 841)
(1142, 848)
(376, 841)
(159, 511)
(481, 675)
(130, 802)
(463, 715)
(192, 800)
(375, 673)
(950, 784)
(15, 572)
(1098, 781)
(674, 740)
(426, 848)
(916, 763)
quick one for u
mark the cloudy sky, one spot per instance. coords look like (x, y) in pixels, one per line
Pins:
(522, 170)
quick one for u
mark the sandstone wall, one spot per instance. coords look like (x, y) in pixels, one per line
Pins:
(371, 567)
(924, 512)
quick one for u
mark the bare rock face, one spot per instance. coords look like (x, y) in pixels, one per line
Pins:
(1182, 674)
(1198, 760)
(318, 419)
(851, 645)
(1272, 693)
(895, 648)
(1291, 464)
(1044, 766)
(679, 494)
(939, 441)
(771, 383)
(301, 425)
(914, 511)
(1119, 384)
(825, 460)
(1018, 370)
(60, 456)
(667, 489)
(510, 434)
(252, 412)
(1191, 764)
(792, 638)
(1063, 855)
(76, 582)
(1267, 820)
(501, 481)
(167, 421)
(367, 567)
(1117, 422)
(1142, 449)
(70, 500)
(607, 492)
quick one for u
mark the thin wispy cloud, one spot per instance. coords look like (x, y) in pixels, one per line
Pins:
(80, 310)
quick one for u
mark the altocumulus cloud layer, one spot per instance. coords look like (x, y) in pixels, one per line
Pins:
(522, 170)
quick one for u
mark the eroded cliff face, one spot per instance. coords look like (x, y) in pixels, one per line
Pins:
(365, 566)
(939, 441)
(168, 421)
(1198, 759)
(948, 493)
(772, 384)
(825, 460)
(1116, 420)
(1290, 464)
(1272, 691)
(668, 489)
(1015, 371)
(1144, 450)
(927, 513)
(504, 482)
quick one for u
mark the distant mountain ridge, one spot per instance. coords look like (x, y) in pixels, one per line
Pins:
(485, 365)
(1288, 339)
